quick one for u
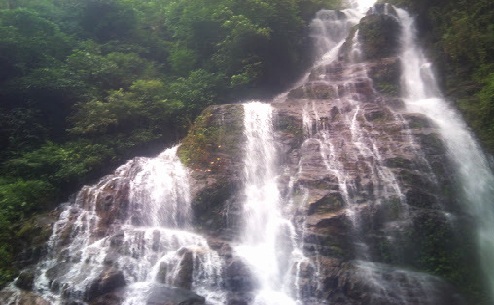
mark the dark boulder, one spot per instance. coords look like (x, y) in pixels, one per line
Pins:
(239, 277)
(109, 280)
(162, 295)
(379, 36)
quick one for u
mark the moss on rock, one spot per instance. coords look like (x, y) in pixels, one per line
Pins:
(386, 76)
(379, 36)
(214, 139)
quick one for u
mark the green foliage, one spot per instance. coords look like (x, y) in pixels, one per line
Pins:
(21, 129)
(197, 91)
(58, 164)
(144, 105)
(479, 110)
(111, 71)
(18, 199)
(108, 19)
(22, 197)
(182, 60)
(28, 41)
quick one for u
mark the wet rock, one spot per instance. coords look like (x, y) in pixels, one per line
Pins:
(386, 75)
(58, 271)
(238, 300)
(329, 203)
(214, 140)
(111, 205)
(238, 277)
(107, 281)
(399, 162)
(161, 295)
(421, 199)
(313, 91)
(9, 296)
(378, 284)
(113, 298)
(214, 206)
(379, 36)
(25, 279)
(211, 151)
(158, 295)
(417, 121)
(180, 273)
(395, 103)
(431, 143)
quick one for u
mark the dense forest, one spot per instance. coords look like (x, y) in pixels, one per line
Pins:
(85, 85)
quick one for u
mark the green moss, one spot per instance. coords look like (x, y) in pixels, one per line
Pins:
(379, 36)
(344, 52)
(387, 88)
(329, 203)
(386, 76)
(211, 207)
(446, 251)
(37, 230)
(214, 140)
(291, 126)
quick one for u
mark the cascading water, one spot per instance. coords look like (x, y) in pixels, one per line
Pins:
(331, 29)
(359, 155)
(475, 177)
(268, 242)
(131, 229)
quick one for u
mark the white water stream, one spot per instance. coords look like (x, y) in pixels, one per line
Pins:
(147, 237)
(474, 175)
(268, 242)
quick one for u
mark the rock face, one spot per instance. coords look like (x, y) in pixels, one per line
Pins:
(213, 150)
(157, 295)
(377, 183)
(376, 189)
(368, 185)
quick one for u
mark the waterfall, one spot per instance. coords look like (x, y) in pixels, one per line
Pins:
(268, 242)
(132, 229)
(474, 175)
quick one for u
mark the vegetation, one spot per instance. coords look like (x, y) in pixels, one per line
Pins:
(87, 84)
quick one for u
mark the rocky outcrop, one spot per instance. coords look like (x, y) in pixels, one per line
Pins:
(213, 152)
(173, 296)
(158, 295)
(33, 236)
(373, 181)
(21, 297)
(108, 281)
